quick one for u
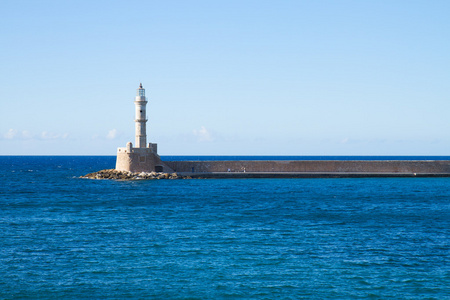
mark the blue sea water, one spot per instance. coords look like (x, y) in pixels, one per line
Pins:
(62, 237)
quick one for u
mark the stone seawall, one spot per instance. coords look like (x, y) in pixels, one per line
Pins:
(297, 168)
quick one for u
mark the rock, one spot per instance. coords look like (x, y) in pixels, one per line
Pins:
(125, 175)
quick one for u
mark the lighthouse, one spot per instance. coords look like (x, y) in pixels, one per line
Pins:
(141, 118)
(142, 157)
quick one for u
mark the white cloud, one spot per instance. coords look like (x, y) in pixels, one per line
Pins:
(203, 135)
(27, 135)
(10, 134)
(112, 134)
(45, 135)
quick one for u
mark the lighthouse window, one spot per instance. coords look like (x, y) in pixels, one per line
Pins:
(140, 110)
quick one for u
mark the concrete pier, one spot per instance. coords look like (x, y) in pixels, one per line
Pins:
(311, 169)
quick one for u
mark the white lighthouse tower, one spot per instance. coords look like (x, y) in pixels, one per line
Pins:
(141, 118)
(143, 157)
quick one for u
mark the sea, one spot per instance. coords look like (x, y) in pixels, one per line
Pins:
(64, 237)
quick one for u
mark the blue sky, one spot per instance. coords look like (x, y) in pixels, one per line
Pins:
(226, 77)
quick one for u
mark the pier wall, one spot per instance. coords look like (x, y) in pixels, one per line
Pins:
(313, 166)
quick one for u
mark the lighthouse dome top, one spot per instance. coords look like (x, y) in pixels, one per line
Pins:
(140, 91)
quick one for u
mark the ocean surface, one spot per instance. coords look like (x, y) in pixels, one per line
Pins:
(62, 237)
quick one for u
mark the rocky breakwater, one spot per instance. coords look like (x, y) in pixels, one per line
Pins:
(124, 175)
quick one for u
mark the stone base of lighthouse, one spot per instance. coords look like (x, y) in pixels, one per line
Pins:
(140, 160)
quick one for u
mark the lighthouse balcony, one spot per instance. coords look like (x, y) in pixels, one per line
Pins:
(141, 120)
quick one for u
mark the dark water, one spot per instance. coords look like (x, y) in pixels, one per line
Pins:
(71, 238)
